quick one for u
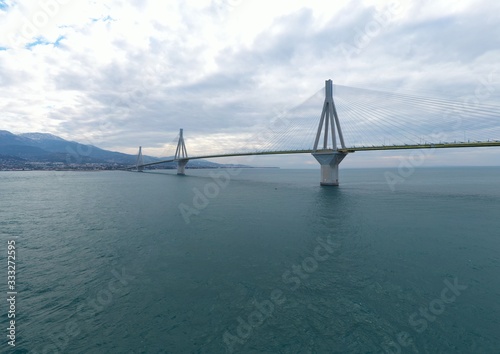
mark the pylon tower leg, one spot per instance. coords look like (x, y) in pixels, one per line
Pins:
(329, 156)
(181, 155)
(140, 161)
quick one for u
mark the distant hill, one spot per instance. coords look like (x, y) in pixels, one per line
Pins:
(40, 136)
(42, 148)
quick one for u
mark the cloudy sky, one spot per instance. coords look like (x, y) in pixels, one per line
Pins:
(119, 74)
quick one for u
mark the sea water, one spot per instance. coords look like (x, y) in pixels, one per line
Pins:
(253, 261)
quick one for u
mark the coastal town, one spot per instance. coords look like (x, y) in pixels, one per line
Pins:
(7, 164)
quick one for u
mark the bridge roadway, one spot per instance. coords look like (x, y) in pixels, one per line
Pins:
(347, 150)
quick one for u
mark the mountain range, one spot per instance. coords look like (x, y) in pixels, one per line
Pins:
(42, 149)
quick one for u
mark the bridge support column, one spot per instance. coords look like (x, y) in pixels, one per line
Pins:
(181, 155)
(329, 156)
(140, 161)
(329, 167)
(181, 166)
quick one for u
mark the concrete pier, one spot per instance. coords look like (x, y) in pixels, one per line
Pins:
(181, 167)
(329, 162)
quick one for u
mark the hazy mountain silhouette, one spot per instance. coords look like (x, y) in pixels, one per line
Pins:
(43, 147)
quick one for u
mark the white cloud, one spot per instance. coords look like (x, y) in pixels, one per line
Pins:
(123, 74)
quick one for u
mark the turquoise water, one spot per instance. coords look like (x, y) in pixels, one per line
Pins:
(253, 261)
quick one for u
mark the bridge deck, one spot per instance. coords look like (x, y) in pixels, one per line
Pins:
(347, 150)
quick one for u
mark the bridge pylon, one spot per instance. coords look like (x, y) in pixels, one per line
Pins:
(329, 156)
(181, 155)
(140, 161)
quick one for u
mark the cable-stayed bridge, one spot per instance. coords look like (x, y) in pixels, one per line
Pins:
(358, 119)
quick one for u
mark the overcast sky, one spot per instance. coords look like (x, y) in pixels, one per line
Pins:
(119, 74)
